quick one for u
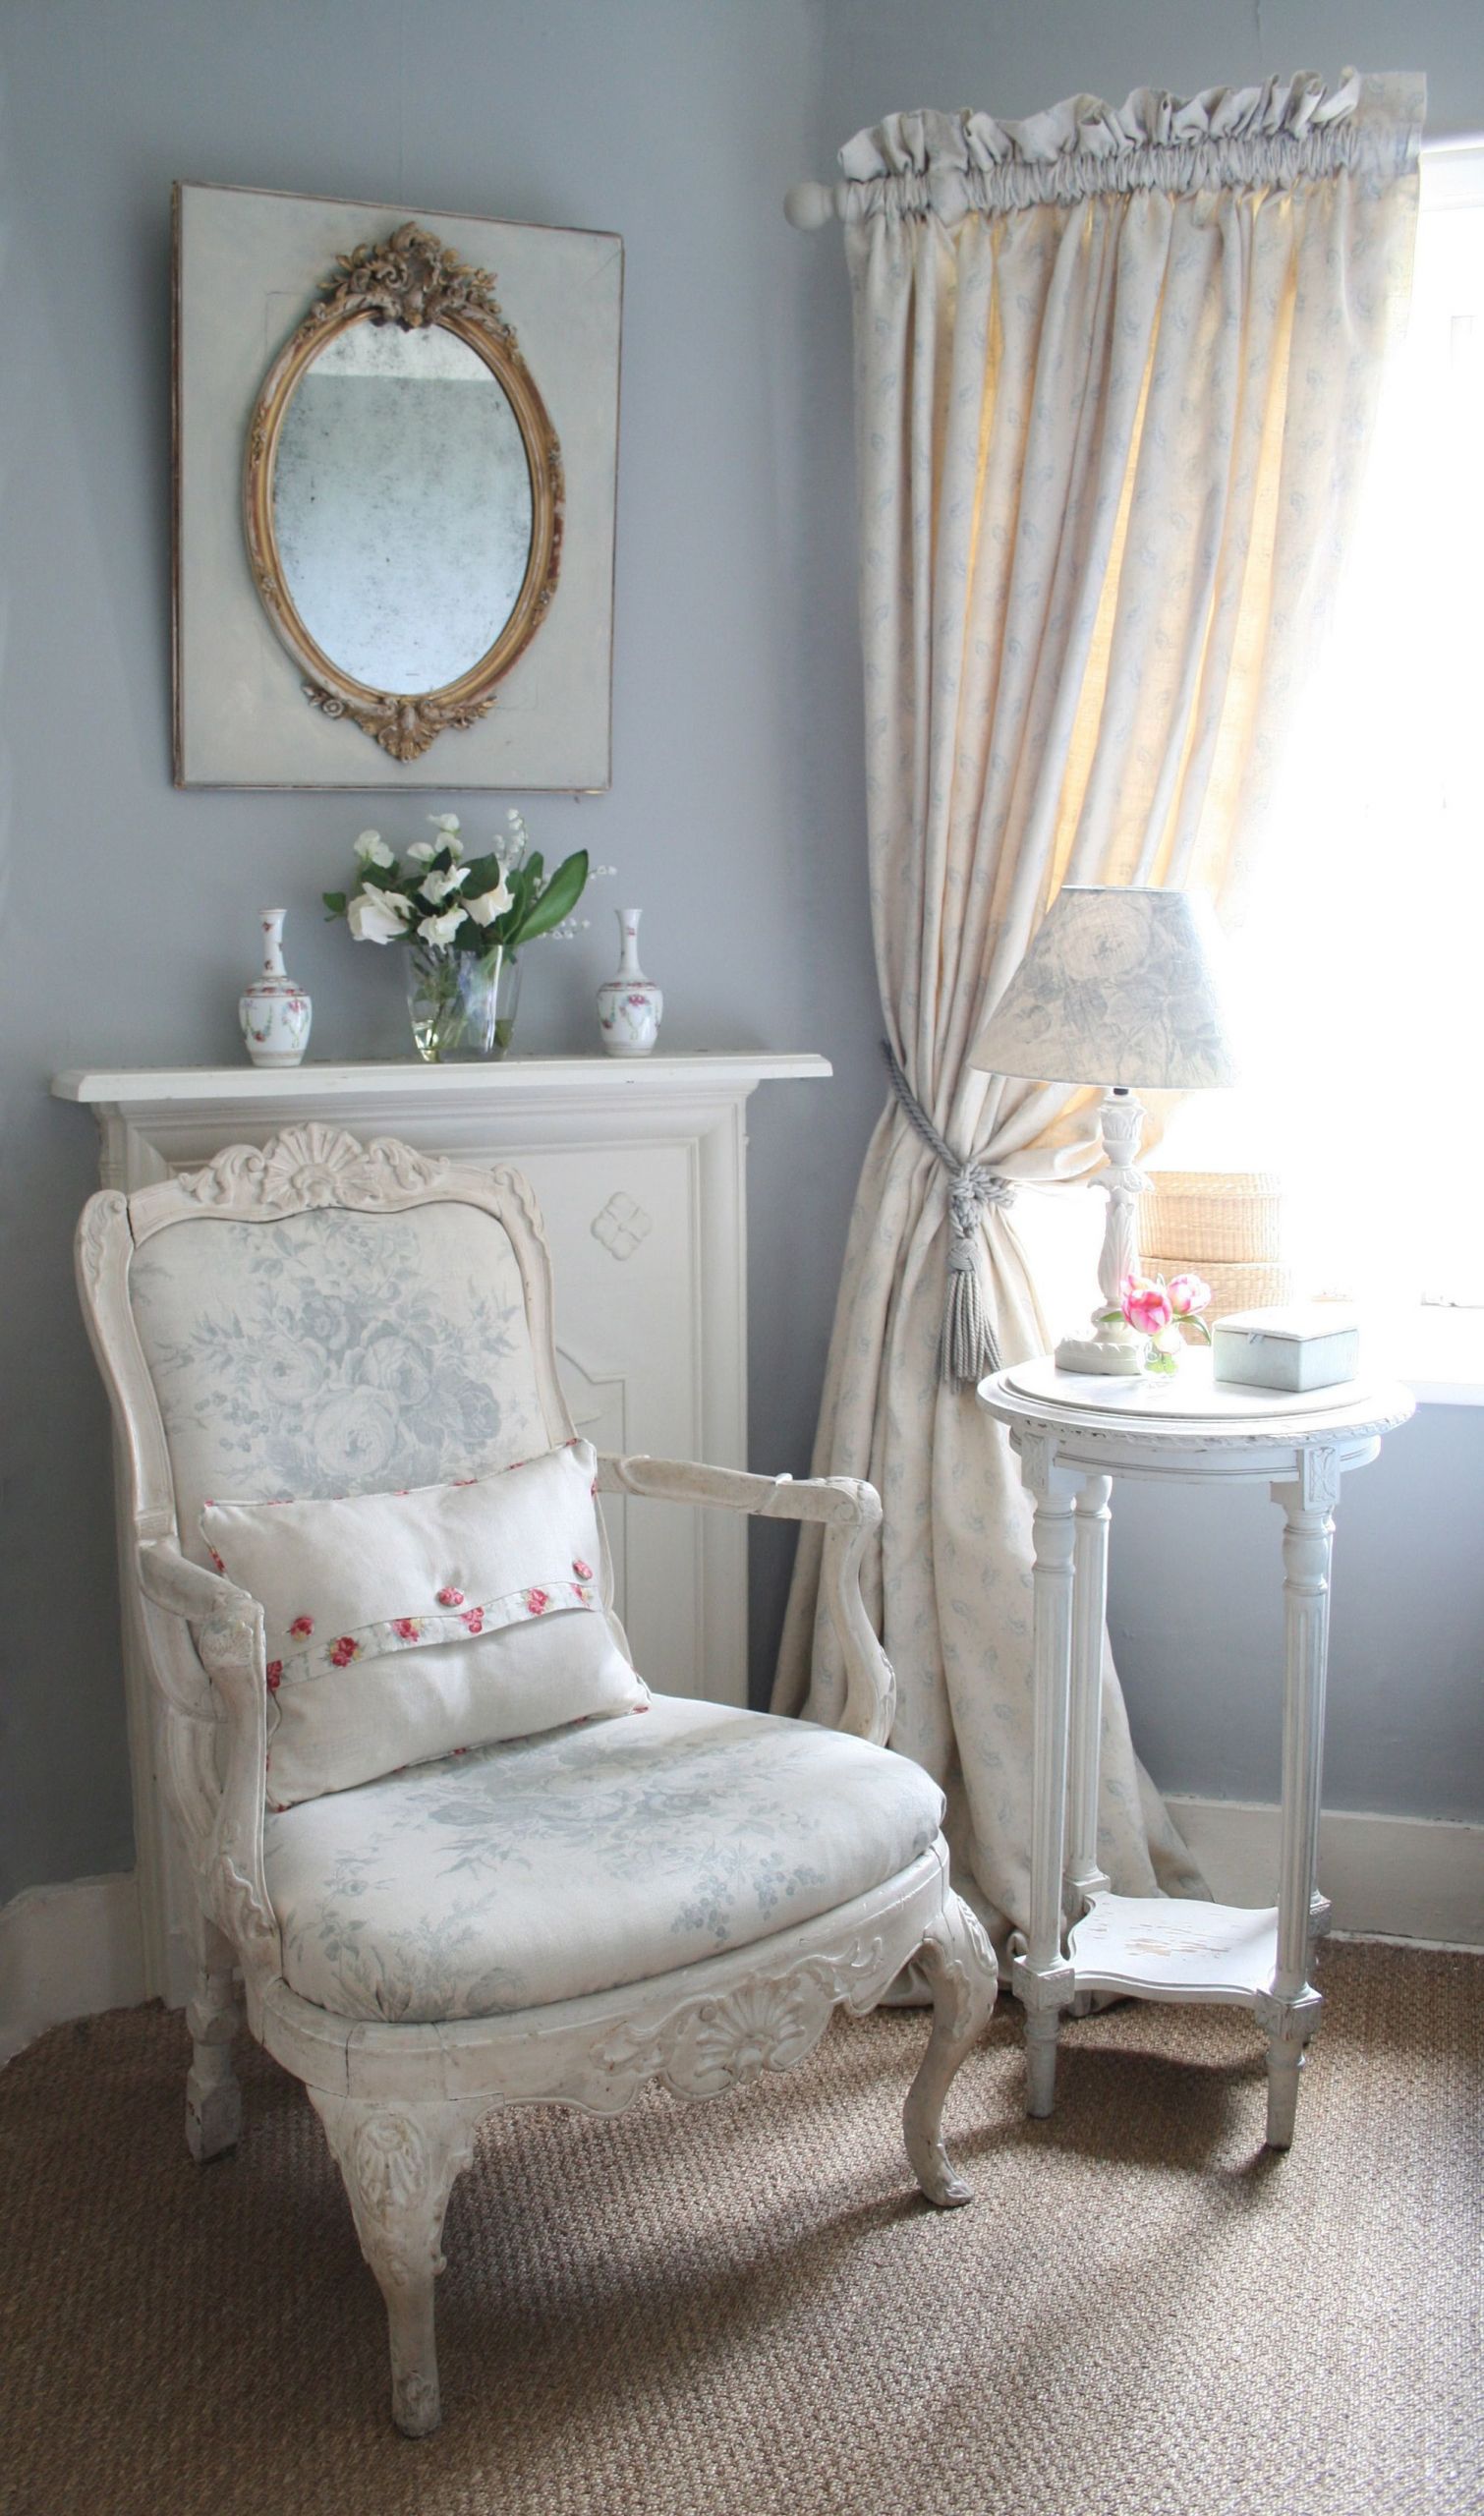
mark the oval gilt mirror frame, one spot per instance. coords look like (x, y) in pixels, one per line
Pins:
(414, 282)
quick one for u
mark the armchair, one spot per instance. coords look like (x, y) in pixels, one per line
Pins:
(694, 1894)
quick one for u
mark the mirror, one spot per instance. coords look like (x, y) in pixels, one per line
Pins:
(402, 505)
(403, 494)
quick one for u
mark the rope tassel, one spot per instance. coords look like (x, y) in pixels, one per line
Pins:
(967, 1347)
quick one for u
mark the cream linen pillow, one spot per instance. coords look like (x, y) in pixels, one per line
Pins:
(404, 1627)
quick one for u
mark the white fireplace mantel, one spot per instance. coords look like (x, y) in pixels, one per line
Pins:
(508, 1083)
(639, 1167)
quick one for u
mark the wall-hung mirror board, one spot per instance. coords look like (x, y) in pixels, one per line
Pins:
(409, 581)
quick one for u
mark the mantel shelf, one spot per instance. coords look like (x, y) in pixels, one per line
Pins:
(728, 1074)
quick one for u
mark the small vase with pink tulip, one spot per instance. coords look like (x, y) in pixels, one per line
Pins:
(1162, 1312)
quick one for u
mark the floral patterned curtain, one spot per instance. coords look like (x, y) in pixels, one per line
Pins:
(1116, 373)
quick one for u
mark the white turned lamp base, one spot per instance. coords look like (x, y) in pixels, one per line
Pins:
(1105, 1351)
(1112, 1348)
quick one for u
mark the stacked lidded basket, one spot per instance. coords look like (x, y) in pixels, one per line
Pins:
(1226, 1226)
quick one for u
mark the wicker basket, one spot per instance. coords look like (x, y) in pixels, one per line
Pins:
(1211, 1218)
(1234, 1284)
(1224, 1225)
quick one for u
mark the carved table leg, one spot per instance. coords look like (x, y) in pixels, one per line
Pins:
(213, 2098)
(958, 1964)
(1042, 1976)
(1084, 1878)
(399, 2162)
(1289, 2012)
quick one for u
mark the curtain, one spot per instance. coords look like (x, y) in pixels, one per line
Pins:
(1114, 377)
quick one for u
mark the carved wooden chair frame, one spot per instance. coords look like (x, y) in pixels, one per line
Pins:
(401, 2104)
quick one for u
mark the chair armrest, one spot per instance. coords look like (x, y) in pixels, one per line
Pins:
(172, 1581)
(840, 1500)
(230, 1645)
(850, 1512)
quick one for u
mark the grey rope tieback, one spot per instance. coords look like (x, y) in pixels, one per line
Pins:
(968, 1347)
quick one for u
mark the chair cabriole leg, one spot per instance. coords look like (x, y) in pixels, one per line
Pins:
(958, 1964)
(213, 2098)
(399, 2162)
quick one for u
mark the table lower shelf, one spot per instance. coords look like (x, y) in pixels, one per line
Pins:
(1168, 1948)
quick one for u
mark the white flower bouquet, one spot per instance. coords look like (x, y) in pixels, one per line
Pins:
(465, 920)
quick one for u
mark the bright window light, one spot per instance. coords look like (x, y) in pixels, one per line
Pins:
(1363, 948)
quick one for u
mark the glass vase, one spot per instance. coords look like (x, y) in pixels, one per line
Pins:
(461, 1004)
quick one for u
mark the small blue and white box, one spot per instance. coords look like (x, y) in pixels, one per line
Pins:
(1291, 1348)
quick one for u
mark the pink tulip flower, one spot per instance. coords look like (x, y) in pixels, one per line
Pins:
(1187, 1295)
(1146, 1305)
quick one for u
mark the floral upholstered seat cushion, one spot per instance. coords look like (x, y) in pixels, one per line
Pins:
(400, 1627)
(603, 1855)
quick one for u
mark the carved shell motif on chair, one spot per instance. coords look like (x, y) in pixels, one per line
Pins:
(313, 1166)
(698, 2006)
(703, 2047)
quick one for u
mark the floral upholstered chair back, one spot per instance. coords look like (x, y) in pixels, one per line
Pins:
(345, 1347)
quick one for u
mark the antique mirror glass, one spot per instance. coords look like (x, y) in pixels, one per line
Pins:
(402, 505)
(403, 494)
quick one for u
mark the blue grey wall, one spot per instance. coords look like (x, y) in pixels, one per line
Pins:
(131, 910)
(1011, 58)
(736, 811)
(1195, 1608)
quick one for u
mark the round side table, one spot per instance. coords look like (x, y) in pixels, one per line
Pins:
(1074, 1434)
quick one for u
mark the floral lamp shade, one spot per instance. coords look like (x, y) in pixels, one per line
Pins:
(1120, 986)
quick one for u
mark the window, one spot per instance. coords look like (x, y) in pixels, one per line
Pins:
(1364, 947)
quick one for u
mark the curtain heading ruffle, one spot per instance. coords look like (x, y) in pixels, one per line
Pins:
(944, 165)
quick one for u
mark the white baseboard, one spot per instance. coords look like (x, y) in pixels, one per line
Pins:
(67, 1952)
(1386, 1877)
(73, 1949)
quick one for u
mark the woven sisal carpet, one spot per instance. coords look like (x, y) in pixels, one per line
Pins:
(742, 2307)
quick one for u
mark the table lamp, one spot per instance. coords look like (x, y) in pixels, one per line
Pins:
(1120, 988)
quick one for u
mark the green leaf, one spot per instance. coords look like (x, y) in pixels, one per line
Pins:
(556, 902)
(334, 901)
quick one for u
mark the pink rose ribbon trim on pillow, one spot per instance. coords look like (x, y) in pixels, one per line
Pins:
(475, 1566)
(336, 1651)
